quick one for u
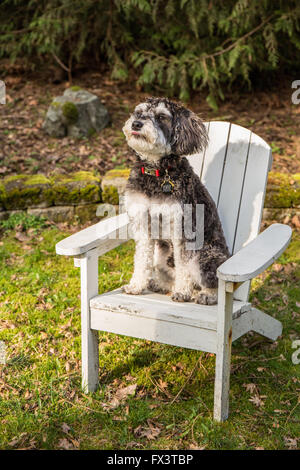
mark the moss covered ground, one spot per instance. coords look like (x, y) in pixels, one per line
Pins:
(152, 396)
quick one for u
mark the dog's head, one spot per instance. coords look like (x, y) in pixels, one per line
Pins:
(159, 127)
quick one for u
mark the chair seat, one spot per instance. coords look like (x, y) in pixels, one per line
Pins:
(156, 317)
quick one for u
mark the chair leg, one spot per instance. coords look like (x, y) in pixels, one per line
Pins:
(89, 337)
(223, 355)
(266, 325)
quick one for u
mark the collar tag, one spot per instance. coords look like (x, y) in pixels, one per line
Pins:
(167, 185)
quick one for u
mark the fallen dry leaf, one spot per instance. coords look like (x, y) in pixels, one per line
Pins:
(196, 447)
(118, 418)
(291, 443)
(150, 432)
(250, 387)
(285, 299)
(162, 384)
(65, 444)
(22, 237)
(124, 392)
(17, 439)
(257, 401)
(65, 428)
(133, 444)
(120, 395)
(277, 267)
(296, 221)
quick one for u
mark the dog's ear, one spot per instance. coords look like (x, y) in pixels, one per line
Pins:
(189, 133)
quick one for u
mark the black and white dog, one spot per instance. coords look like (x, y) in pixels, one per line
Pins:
(161, 183)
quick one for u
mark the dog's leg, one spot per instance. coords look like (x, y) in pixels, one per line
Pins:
(163, 268)
(183, 285)
(207, 296)
(143, 262)
(137, 209)
(210, 260)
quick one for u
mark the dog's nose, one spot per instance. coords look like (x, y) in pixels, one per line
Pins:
(137, 125)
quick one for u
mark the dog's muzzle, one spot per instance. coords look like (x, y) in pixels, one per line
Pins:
(136, 125)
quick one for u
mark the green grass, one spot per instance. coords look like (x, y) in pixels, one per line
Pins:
(41, 403)
(23, 220)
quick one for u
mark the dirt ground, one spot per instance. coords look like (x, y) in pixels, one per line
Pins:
(25, 148)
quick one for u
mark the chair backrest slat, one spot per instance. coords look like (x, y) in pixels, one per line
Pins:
(213, 164)
(231, 186)
(234, 169)
(253, 192)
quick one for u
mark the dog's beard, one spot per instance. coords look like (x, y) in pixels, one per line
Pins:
(150, 142)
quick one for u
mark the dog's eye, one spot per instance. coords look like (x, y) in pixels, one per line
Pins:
(160, 117)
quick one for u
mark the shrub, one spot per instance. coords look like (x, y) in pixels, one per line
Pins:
(178, 44)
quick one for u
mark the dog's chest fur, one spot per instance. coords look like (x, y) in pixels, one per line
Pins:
(187, 187)
(144, 189)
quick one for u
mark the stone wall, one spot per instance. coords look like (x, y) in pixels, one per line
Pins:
(58, 198)
(76, 196)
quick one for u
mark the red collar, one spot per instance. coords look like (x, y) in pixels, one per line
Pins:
(152, 171)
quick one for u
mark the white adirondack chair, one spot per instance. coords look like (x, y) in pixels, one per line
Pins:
(234, 168)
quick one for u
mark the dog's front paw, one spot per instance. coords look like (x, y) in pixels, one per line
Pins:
(206, 299)
(155, 287)
(133, 289)
(180, 297)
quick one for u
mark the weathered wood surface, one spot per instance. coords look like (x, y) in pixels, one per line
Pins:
(175, 334)
(255, 320)
(160, 307)
(89, 337)
(156, 317)
(103, 234)
(257, 255)
(223, 353)
(234, 169)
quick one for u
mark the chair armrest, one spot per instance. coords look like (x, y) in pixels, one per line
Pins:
(103, 234)
(255, 257)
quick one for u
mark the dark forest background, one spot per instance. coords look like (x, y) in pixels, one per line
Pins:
(178, 45)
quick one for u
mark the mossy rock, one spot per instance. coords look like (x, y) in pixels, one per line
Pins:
(117, 173)
(4, 215)
(114, 184)
(19, 192)
(70, 112)
(23, 191)
(86, 212)
(283, 190)
(75, 88)
(55, 214)
(76, 113)
(2, 196)
(110, 195)
(87, 176)
(82, 187)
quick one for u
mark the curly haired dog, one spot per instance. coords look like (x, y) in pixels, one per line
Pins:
(161, 183)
